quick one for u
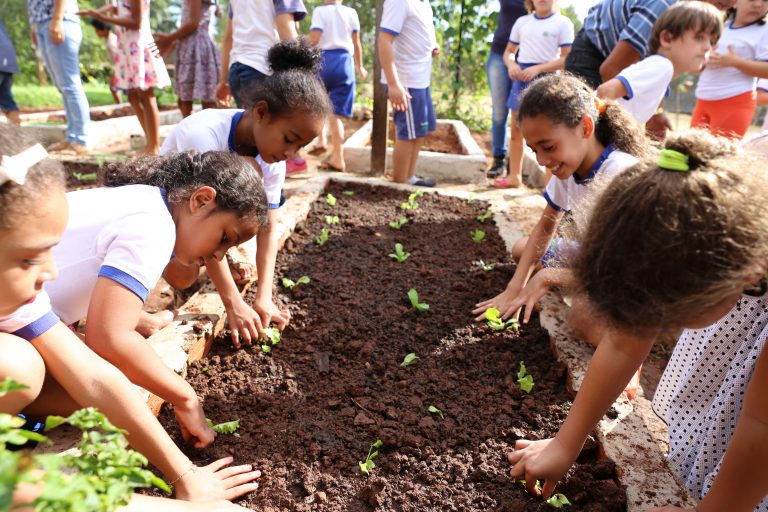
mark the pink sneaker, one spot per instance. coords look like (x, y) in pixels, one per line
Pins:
(295, 165)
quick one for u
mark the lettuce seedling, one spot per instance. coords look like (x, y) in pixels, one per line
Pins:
(413, 296)
(348, 193)
(400, 255)
(408, 360)
(273, 334)
(411, 204)
(495, 322)
(322, 237)
(332, 219)
(330, 199)
(487, 267)
(435, 410)
(367, 466)
(524, 379)
(91, 176)
(478, 235)
(228, 427)
(290, 284)
(397, 224)
(558, 500)
(484, 217)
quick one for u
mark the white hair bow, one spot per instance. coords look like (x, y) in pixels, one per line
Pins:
(14, 168)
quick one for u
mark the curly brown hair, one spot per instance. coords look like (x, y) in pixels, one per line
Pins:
(663, 247)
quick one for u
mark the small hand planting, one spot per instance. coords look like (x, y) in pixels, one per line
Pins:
(290, 284)
(348, 193)
(496, 323)
(332, 219)
(322, 237)
(524, 379)
(484, 217)
(407, 360)
(399, 255)
(413, 296)
(478, 235)
(330, 199)
(228, 427)
(367, 466)
(397, 224)
(434, 410)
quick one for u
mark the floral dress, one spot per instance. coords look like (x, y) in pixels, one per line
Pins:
(197, 58)
(136, 67)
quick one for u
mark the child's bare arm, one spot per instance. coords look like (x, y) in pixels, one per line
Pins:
(314, 37)
(266, 255)
(756, 68)
(513, 69)
(164, 41)
(557, 64)
(286, 26)
(397, 93)
(132, 22)
(358, 46)
(613, 89)
(223, 94)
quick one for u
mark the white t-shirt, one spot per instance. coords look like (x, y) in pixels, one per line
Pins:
(123, 233)
(540, 39)
(214, 130)
(647, 82)
(254, 31)
(30, 320)
(336, 22)
(410, 21)
(749, 42)
(563, 195)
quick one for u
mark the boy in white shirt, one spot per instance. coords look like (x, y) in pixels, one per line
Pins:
(407, 45)
(680, 42)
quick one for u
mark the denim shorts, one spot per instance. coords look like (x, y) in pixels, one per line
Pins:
(240, 78)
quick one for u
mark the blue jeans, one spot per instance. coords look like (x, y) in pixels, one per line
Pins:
(63, 64)
(6, 97)
(500, 85)
(240, 78)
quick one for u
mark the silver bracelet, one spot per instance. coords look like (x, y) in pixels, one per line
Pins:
(192, 468)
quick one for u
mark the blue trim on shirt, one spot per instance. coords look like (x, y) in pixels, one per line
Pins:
(275, 206)
(124, 279)
(545, 17)
(566, 44)
(295, 7)
(551, 203)
(744, 26)
(389, 31)
(232, 126)
(37, 327)
(595, 167)
(514, 42)
(630, 92)
(315, 28)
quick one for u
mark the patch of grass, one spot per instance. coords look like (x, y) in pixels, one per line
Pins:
(46, 96)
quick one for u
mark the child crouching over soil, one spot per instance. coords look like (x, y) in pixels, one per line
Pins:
(670, 244)
(62, 373)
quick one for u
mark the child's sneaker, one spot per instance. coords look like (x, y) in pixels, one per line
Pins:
(422, 182)
(496, 169)
(295, 165)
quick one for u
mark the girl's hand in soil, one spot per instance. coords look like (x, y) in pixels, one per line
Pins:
(504, 302)
(191, 418)
(546, 460)
(271, 314)
(217, 481)
(245, 322)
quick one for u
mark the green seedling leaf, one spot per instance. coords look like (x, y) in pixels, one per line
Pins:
(291, 284)
(558, 500)
(487, 267)
(408, 360)
(478, 235)
(91, 176)
(400, 255)
(322, 237)
(495, 322)
(332, 219)
(413, 296)
(435, 410)
(484, 217)
(205, 369)
(367, 466)
(228, 427)
(409, 206)
(266, 349)
(348, 193)
(330, 199)
(273, 334)
(524, 379)
(397, 224)
(8, 385)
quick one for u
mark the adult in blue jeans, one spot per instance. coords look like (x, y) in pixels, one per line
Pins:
(56, 31)
(8, 66)
(500, 83)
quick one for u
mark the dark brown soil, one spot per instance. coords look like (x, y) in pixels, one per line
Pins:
(80, 175)
(443, 140)
(310, 410)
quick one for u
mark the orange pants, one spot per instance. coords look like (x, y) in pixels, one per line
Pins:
(729, 117)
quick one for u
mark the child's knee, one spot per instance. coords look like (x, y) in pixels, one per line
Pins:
(518, 248)
(21, 362)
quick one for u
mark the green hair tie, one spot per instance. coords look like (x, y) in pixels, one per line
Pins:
(671, 160)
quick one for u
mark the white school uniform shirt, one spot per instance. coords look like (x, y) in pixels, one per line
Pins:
(701, 393)
(214, 130)
(410, 21)
(254, 31)
(647, 82)
(749, 42)
(125, 234)
(563, 195)
(336, 22)
(540, 39)
(30, 320)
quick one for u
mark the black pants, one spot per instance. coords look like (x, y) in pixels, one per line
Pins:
(585, 60)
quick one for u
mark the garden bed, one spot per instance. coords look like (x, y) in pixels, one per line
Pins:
(311, 408)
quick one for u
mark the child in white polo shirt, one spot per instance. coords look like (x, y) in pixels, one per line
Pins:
(407, 45)
(336, 30)
(680, 42)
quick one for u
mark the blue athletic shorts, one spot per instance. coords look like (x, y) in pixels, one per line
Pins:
(241, 77)
(338, 75)
(420, 117)
(518, 86)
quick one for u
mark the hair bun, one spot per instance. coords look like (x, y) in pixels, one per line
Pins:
(700, 146)
(296, 55)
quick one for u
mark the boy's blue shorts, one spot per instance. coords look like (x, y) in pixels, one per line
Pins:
(420, 117)
(338, 75)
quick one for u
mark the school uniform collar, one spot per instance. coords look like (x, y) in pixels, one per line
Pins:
(730, 25)
(544, 17)
(231, 139)
(595, 167)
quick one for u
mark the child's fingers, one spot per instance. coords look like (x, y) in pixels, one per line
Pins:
(521, 443)
(216, 465)
(240, 490)
(229, 472)
(530, 484)
(235, 336)
(548, 488)
(240, 479)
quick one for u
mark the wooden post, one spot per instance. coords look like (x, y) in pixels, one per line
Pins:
(380, 104)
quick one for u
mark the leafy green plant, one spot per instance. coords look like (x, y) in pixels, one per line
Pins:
(434, 410)
(495, 322)
(558, 500)
(411, 204)
(273, 336)
(399, 255)
(367, 466)
(413, 296)
(290, 284)
(330, 199)
(90, 176)
(228, 427)
(205, 369)
(484, 217)
(332, 219)
(524, 379)
(407, 360)
(348, 193)
(478, 235)
(399, 223)
(322, 237)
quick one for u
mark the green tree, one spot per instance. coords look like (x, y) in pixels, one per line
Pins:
(570, 12)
